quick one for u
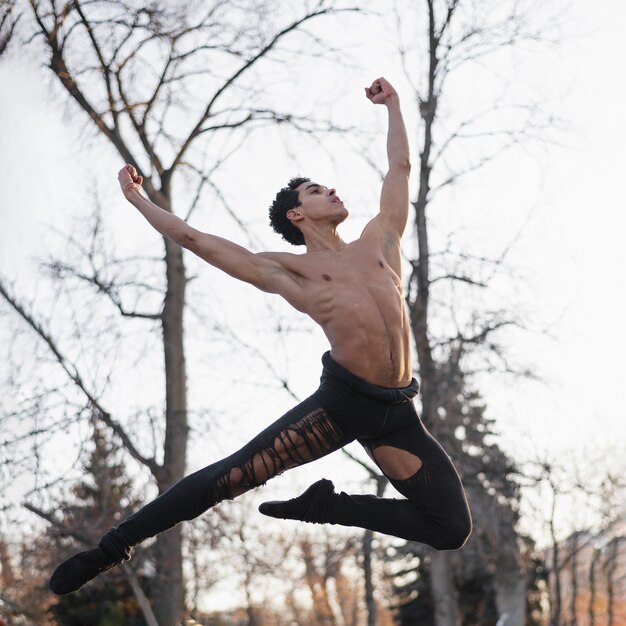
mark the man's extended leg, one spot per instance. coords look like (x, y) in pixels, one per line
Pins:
(304, 434)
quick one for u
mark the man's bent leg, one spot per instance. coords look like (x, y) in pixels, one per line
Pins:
(302, 435)
(435, 511)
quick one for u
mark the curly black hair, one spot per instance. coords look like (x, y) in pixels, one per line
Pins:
(286, 199)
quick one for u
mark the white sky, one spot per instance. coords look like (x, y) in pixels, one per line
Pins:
(572, 252)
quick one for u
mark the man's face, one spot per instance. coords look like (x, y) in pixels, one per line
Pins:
(319, 203)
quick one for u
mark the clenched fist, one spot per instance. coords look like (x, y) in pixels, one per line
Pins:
(380, 91)
(129, 179)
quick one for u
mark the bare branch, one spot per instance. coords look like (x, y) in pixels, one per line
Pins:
(452, 5)
(76, 378)
(197, 129)
(60, 68)
(284, 383)
(107, 288)
(205, 178)
(373, 473)
(252, 238)
(83, 538)
(104, 66)
(458, 277)
(8, 23)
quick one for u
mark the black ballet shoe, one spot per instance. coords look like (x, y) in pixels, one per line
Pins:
(79, 569)
(312, 506)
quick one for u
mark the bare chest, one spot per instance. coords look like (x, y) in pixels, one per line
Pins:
(350, 280)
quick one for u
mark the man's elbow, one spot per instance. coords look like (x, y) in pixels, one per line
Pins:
(186, 238)
(402, 163)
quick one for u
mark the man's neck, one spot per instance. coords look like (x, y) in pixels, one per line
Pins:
(320, 240)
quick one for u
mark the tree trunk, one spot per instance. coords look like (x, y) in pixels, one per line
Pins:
(442, 589)
(368, 537)
(370, 603)
(610, 580)
(169, 591)
(442, 585)
(7, 577)
(140, 596)
(592, 586)
(510, 588)
(510, 582)
(316, 583)
(574, 587)
(556, 576)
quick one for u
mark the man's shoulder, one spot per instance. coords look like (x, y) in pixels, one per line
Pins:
(281, 257)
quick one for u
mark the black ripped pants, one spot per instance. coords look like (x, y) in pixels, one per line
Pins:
(343, 409)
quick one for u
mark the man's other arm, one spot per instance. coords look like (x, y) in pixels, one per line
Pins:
(261, 270)
(394, 197)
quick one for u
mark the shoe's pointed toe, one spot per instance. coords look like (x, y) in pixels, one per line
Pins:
(79, 569)
(267, 508)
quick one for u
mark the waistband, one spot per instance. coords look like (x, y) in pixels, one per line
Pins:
(390, 395)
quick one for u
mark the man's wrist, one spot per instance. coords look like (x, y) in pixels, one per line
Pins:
(392, 101)
(131, 191)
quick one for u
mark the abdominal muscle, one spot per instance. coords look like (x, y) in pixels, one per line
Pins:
(367, 327)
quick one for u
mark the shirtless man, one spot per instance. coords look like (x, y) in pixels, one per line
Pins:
(354, 292)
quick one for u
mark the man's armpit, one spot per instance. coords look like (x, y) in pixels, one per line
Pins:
(391, 240)
(278, 279)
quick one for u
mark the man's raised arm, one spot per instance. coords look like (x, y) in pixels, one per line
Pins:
(394, 197)
(261, 270)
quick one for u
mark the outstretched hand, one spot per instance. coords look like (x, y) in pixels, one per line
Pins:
(129, 179)
(380, 91)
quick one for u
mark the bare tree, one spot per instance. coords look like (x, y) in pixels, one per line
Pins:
(581, 513)
(163, 84)
(453, 339)
(8, 24)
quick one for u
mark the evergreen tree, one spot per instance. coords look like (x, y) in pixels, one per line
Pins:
(492, 555)
(101, 499)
